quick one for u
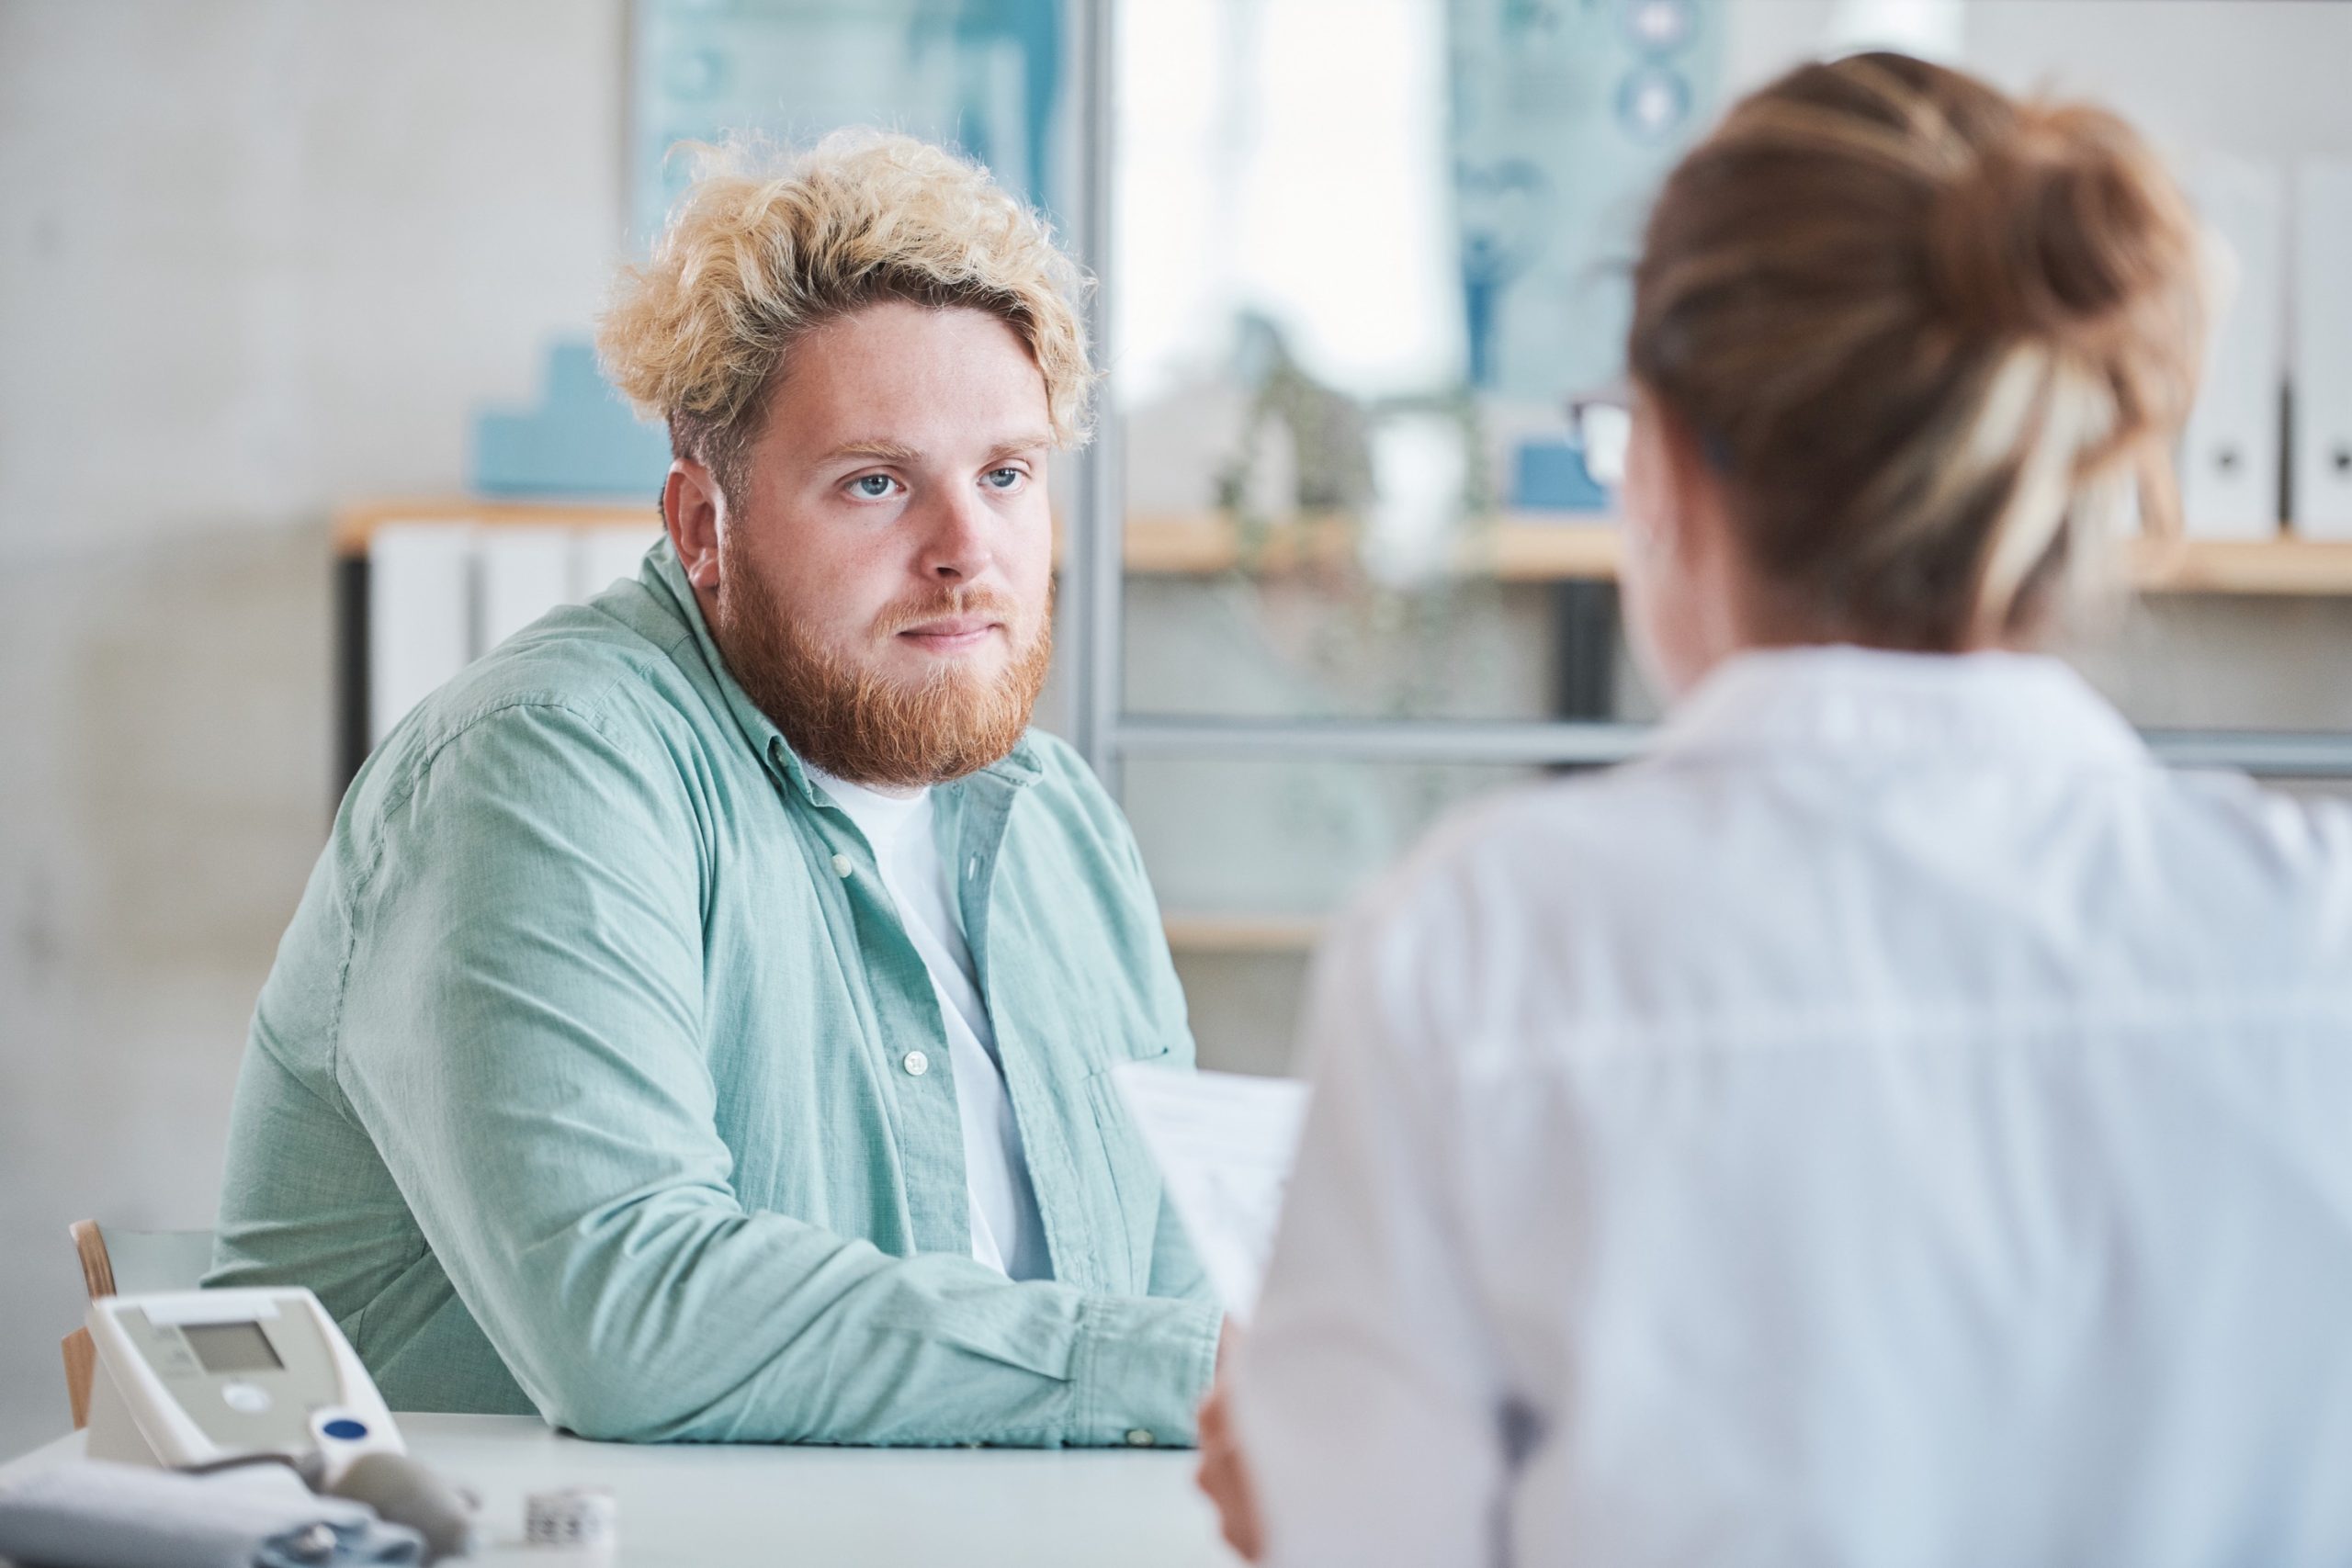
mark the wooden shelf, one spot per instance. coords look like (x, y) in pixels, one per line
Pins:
(1245, 934)
(1515, 548)
(357, 524)
(1524, 550)
(2283, 565)
(1509, 549)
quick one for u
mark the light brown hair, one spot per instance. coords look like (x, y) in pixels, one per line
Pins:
(765, 247)
(1934, 340)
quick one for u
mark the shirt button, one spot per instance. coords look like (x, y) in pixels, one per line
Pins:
(1140, 1439)
(916, 1064)
(972, 870)
(841, 865)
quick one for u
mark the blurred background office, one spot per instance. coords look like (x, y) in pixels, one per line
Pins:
(297, 415)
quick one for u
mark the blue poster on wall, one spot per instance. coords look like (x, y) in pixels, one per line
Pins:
(982, 75)
(1567, 114)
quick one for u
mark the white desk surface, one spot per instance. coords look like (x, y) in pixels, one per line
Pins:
(695, 1505)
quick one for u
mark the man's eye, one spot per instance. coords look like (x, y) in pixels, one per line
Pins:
(873, 487)
(1004, 479)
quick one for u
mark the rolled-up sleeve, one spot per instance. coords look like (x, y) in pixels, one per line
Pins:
(522, 1036)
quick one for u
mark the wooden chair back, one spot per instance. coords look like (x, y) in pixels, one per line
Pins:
(124, 1262)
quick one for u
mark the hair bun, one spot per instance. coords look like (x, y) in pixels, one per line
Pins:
(1933, 337)
(2063, 229)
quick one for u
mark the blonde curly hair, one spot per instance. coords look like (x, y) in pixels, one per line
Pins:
(767, 245)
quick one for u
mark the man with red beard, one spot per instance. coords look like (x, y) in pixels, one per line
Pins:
(698, 1025)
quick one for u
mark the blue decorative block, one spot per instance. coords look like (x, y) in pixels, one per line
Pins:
(581, 440)
(1549, 476)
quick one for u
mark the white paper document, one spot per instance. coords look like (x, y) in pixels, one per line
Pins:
(1224, 1142)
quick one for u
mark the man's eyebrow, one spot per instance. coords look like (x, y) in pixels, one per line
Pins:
(880, 451)
(875, 452)
(1017, 444)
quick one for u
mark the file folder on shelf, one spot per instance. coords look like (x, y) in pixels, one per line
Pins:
(2322, 487)
(610, 552)
(437, 589)
(526, 573)
(420, 615)
(2230, 450)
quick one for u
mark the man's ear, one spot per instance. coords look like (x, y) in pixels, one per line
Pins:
(695, 511)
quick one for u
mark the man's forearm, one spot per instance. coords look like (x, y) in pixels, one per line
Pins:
(780, 1332)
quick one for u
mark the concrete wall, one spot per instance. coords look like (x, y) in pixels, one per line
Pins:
(256, 257)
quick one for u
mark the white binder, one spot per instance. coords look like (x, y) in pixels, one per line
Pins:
(420, 615)
(609, 551)
(442, 594)
(526, 573)
(2230, 452)
(2320, 494)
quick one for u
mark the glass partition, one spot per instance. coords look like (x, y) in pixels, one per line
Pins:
(1250, 860)
(1363, 252)
(1366, 250)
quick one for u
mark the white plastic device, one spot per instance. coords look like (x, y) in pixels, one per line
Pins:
(194, 1378)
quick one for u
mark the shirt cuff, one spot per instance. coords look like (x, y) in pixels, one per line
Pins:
(1143, 1367)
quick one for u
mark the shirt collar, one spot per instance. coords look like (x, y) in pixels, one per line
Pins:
(664, 574)
(1872, 702)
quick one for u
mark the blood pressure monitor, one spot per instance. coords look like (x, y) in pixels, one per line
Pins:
(197, 1377)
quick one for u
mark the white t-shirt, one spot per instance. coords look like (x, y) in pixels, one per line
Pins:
(1007, 1233)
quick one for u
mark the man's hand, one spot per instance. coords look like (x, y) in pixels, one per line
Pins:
(1223, 1475)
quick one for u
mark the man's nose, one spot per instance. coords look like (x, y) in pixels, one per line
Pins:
(957, 546)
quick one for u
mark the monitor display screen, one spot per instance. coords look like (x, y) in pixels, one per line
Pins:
(232, 1348)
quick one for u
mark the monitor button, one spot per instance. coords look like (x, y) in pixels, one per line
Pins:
(245, 1398)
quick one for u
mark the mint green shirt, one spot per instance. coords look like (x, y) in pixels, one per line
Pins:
(582, 1082)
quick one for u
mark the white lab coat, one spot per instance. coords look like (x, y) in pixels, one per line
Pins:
(1895, 1123)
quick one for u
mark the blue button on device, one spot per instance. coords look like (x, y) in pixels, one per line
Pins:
(346, 1430)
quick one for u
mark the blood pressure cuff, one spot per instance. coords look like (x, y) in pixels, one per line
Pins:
(88, 1514)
